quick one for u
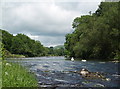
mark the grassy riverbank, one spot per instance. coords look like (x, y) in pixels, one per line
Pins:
(0, 73)
(14, 75)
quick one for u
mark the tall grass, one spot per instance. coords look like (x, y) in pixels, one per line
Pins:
(14, 75)
(0, 73)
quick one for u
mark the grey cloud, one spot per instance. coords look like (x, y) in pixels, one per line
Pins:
(82, 7)
(68, 5)
(49, 21)
(49, 40)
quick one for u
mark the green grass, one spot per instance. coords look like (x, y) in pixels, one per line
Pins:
(0, 73)
(14, 75)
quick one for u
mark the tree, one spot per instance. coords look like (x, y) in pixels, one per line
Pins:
(6, 39)
(97, 35)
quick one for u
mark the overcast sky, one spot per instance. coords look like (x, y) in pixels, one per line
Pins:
(45, 20)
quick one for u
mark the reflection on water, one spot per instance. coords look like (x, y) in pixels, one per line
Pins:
(56, 72)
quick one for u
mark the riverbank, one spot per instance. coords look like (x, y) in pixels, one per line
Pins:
(14, 75)
(7, 54)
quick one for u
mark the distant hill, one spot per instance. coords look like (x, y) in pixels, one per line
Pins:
(59, 46)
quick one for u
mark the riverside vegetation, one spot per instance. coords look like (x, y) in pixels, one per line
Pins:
(96, 36)
(14, 75)
(23, 46)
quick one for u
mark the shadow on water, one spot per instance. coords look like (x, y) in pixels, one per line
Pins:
(56, 72)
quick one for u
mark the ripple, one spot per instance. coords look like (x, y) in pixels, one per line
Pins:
(99, 85)
(61, 80)
(54, 64)
(101, 62)
(38, 75)
(45, 66)
(116, 75)
(92, 63)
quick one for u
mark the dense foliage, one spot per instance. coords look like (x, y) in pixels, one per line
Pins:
(57, 51)
(22, 45)
(96, 36)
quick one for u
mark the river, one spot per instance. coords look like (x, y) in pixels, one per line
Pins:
(57, 72)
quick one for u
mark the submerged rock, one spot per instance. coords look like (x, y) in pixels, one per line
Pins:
(92, 75)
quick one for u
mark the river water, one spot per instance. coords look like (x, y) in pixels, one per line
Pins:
(56, 72)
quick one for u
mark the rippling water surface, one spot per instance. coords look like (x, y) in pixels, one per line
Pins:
(57, 72)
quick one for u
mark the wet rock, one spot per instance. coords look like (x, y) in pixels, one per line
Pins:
(91, 75)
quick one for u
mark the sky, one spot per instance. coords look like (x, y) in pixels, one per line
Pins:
(45, 20)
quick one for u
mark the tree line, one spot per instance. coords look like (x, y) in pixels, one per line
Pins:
(96, 36)
(23, 45)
